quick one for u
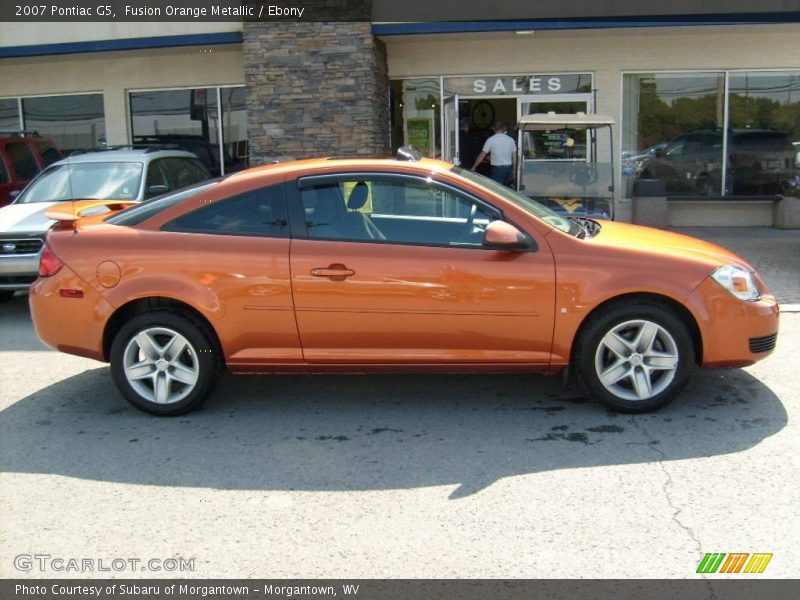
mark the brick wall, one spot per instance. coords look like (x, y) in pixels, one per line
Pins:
(315, 89)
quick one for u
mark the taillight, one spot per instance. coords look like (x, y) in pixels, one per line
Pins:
(50, 263)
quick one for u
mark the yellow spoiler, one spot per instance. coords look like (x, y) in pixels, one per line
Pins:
(77, 209)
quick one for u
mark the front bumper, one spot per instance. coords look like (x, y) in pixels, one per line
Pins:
(734, 333)
(18, 271)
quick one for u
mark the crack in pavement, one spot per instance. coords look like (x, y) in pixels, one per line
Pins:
(668, 483)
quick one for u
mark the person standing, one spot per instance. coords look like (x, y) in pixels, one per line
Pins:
(469, 144)
(502, 152)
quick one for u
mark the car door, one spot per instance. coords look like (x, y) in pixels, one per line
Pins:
(238, 248)
(391, 268)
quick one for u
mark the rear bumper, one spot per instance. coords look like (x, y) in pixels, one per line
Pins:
(734, 333)
(71, 325)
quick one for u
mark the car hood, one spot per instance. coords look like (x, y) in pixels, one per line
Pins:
(666, 244)
(25, 218)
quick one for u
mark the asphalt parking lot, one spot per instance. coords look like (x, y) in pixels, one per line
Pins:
(396, 476)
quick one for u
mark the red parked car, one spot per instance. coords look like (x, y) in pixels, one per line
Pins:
(22, 155)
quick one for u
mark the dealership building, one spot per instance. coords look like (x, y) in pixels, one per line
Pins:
(702, 84)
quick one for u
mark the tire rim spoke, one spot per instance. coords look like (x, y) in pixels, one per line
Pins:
(148, 346)
(642, 384)
(661, 360)
(613, 374)
(646, 338)
(161, 387)
(618, 345)
(184, 374)
(175, 347)
(142, 370)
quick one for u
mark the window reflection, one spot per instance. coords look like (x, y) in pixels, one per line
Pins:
(74, 122)
(674, 131)
(191, 118)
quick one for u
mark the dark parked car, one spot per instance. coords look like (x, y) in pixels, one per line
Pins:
(760, 161)
(23, 154)
(207, 152)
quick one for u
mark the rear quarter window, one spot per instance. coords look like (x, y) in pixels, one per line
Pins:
(134, 215)
(763, 142)
(48, 152)
(260, 212)
(22, 160)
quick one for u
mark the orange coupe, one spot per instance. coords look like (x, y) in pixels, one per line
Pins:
(387, 265)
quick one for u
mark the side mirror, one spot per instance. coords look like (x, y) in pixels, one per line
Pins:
(156, 189)
(13, 194)
(658, 152)
(504, 236)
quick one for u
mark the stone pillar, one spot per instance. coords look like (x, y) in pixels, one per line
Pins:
(315, 89)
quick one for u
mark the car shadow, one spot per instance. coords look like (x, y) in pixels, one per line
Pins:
(342, 433)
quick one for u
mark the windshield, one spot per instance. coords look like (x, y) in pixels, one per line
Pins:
(527, 204)
(95, 180)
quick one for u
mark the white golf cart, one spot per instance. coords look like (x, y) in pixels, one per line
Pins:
(557, 163)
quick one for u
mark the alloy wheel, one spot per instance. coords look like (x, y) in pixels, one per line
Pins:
(161, 365)
(636, 360)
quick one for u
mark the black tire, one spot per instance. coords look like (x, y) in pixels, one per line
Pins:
(670, 343)
(200, 356)
(6, 295)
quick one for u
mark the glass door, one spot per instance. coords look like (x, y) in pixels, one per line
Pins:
(450, 128)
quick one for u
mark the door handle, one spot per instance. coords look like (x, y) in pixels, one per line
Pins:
(336, 272)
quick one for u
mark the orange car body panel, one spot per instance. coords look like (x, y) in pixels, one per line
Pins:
(281, 304)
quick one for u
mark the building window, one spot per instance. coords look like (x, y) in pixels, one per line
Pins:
(415, 115)
(678, 127)
(194, 118)
(765, 130)
(9, 114)
(74, 122)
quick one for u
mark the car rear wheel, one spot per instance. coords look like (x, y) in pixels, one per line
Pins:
(164, 363)
(636, 356)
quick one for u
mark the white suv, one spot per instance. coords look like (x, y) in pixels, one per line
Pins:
(114, 173)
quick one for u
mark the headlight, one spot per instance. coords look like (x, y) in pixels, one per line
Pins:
(737, 281)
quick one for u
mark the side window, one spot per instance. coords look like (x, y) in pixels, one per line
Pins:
(22, 160)
(156, 182)
(3, 173)
(259, 212)
(195, 169)
(48, 152)
(694, 144)
(394, 210)
(181, 172)
(675, 149)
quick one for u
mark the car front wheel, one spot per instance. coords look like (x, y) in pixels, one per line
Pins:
(164, 363)
(636, 356)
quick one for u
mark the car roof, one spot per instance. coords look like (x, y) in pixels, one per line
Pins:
(317, 165)
(123, 154)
